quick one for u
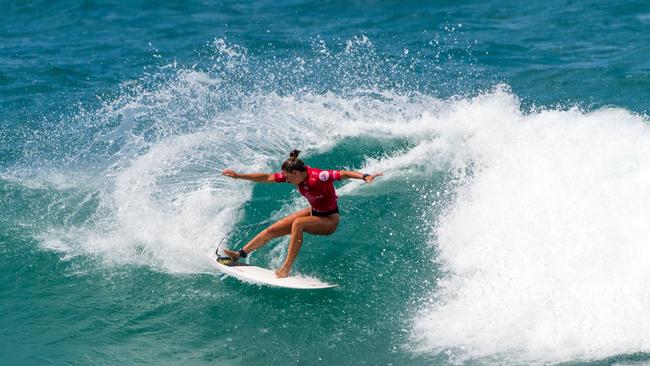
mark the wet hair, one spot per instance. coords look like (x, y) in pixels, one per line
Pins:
(293, 163)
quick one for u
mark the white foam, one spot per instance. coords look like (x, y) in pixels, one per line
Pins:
(546, 246)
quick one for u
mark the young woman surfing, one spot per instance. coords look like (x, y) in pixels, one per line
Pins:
(321, 218)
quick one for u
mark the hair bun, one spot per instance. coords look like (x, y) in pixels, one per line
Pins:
(293, 164)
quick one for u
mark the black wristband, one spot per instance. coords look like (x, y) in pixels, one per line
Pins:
(242, 253)
(365, 176)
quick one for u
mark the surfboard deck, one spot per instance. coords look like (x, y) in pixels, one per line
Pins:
(264, 276)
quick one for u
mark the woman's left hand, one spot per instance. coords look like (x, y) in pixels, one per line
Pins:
(230, 173)
(282, 272)
(371, 177)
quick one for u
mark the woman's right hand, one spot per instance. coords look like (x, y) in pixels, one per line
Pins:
(230, 173)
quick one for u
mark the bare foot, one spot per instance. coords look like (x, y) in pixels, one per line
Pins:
(282, 272)
(232, 254)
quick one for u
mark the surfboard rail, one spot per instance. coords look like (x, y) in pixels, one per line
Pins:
(264, 276)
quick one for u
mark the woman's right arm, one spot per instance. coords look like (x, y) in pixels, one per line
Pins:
(255, 177)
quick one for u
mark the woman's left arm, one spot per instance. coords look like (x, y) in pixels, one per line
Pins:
(357, 175)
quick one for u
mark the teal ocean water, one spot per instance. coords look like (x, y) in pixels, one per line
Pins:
(510, 226)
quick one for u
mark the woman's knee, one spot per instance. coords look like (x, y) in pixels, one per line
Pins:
(298, 225)
(321, 228)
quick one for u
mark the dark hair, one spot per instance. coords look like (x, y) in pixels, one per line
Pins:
(293, 163)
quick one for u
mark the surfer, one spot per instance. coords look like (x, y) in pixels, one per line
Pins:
(321, 218)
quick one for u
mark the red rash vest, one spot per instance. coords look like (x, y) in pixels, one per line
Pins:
(318, 188)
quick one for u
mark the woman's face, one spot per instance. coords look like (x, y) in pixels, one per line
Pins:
(295, 177)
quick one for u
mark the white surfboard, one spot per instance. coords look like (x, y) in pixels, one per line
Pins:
(263, 276)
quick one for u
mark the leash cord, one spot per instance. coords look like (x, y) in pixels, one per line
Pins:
(246, 227)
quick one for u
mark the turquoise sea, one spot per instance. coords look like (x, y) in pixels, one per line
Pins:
(510, 226)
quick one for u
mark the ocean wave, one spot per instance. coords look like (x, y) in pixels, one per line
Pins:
(541, 232)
